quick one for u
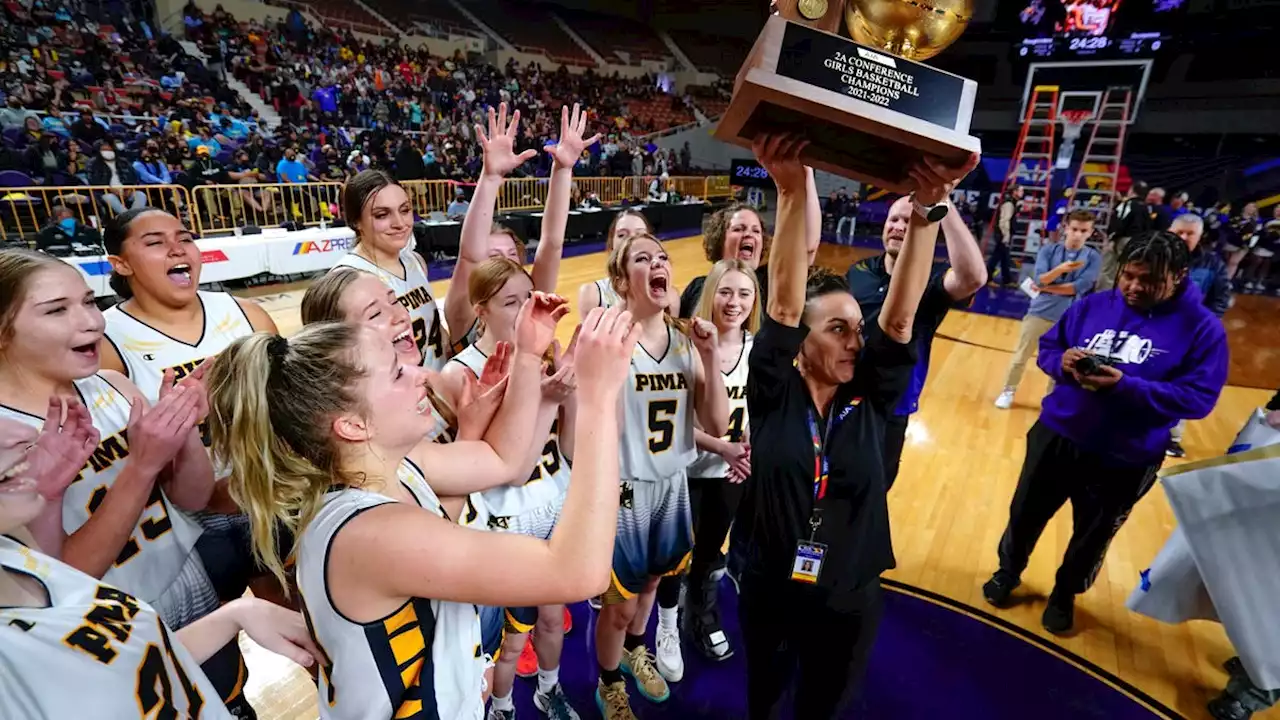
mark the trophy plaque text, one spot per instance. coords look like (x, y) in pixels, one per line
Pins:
(868, 115)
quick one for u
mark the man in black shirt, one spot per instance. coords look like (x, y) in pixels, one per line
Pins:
(818, 394)
(1132, 216)
(87, 130)
(869, 282)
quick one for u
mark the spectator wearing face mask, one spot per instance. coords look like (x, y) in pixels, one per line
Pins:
(66, 230)
(150, 169)
(331, 167)
(292, 170)
(106, 171)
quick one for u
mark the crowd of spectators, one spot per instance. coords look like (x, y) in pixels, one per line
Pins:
(331, 81)
(1235, 241)
(117, 104)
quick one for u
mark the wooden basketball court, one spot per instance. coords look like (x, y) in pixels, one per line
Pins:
(951, 501)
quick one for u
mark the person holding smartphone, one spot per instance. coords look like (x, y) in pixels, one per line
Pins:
(1065, 271)
(1128, 364)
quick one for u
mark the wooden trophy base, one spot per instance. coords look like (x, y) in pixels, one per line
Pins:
(868, 115)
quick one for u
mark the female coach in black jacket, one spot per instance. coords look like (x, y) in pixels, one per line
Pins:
(818, 394)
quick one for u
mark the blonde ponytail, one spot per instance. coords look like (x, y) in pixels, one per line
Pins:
(272, 402)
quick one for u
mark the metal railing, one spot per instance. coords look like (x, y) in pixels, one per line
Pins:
(24, 211)
(224, 209)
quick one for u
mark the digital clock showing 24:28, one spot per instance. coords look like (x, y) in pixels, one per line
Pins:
(1088, 43)
(750, 173)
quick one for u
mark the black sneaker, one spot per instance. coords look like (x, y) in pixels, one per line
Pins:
(1175, 449)
(1059, 615)
(998, 589)
(1225, 707)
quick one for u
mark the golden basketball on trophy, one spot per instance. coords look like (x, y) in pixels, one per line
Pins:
(867, 107)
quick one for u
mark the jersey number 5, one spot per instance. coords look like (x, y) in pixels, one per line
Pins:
(155, 689)
(662, 426)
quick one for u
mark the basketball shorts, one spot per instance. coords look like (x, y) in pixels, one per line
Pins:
(538, 523)
(189, 598)
(226, 549)
(491, 629)
(655, 535)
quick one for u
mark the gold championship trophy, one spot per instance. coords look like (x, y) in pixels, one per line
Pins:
(868, 109)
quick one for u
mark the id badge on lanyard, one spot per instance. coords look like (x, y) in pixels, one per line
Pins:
(806, 567)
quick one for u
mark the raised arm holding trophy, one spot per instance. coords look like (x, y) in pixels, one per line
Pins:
(869, 111)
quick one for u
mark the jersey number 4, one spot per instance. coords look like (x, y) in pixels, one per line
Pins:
(155, 689)
(662, 426)
(736, 420)
(433, 339)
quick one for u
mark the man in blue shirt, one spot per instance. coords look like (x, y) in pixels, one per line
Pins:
(326, 98)
(290, 169)
(869, 281)
(205, 139)
(1064, 271)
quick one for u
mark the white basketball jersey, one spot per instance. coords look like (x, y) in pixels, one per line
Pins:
(95, 651)
(422, 661)
(414, 293)
(156, 552)
(147, 352)
(608, 296)
(550, 479)
(709, 464)
(657, 429)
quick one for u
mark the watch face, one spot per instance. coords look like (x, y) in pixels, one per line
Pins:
(937, 212)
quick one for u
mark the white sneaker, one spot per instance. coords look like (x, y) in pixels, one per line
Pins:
(1005, 401)
(670, 662)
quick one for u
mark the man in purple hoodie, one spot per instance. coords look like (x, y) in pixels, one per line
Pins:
(1129, 363)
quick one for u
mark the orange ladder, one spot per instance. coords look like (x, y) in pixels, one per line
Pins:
(1095, 184)
(1036, 144)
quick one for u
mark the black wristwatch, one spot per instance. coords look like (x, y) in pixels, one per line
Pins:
(930, 213)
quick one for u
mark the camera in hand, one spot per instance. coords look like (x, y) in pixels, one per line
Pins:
(1091, 365)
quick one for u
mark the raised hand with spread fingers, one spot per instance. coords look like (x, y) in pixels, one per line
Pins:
(498, 145)
(478, 242)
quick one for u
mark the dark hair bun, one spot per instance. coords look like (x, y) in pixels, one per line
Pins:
(822, 281)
